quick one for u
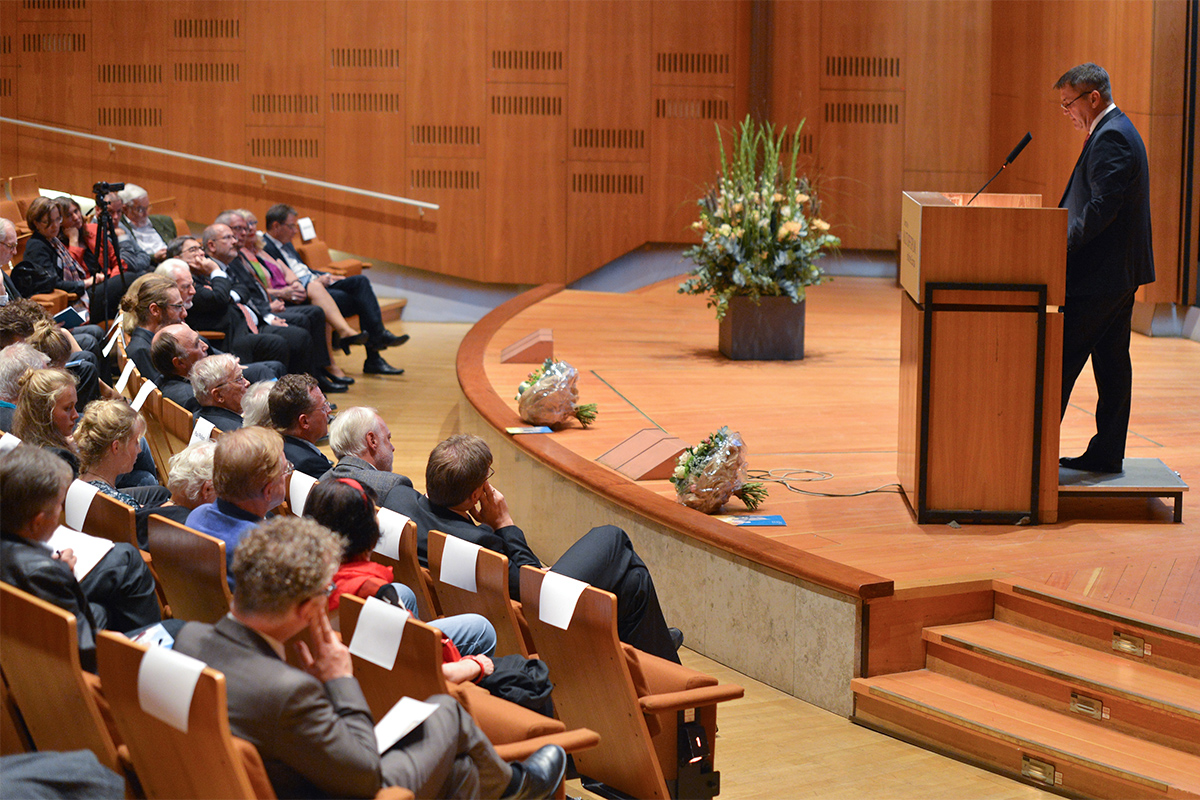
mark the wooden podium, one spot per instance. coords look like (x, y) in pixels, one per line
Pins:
(980, 356)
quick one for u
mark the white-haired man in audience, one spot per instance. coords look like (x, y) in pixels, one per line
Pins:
(8, 249)
(312, 726)
(219, 386)
(363, 444)
(152, 232)
(190, 479)
(256, 409)
(15, 361)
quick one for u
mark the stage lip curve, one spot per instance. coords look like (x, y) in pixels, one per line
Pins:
(480, 393)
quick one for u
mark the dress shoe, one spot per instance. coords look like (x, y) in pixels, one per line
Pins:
(345, 342)
(389, 339)
(329, 387)
(375, 365)
(541, 774)
(344, 380)
(1084, 463)
(676, 637)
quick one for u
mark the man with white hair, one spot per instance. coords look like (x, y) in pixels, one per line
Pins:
(8, 249)
(219, 386)
(15, 361)
(363, 444)
(152, 232)
(190, 479)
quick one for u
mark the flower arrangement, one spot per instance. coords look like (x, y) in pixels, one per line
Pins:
(549, 397)
(760, 226)
(708, 474)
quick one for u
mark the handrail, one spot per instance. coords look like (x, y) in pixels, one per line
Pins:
(420, 204)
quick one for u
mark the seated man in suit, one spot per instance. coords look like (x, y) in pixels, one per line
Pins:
(313, 727)
(152, 232)
(300, 412)
(8, 249)
(363, 444)
(219, 386)
(173, 352)
(116, 594)
(461, 501)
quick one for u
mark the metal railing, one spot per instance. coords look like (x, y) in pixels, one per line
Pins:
(419, 204)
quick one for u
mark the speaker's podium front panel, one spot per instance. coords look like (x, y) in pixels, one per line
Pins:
(980, 356)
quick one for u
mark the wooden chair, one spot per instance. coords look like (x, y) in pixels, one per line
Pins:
(23, 189)
(167, 207)
(191, 570)
(407, 569)
(633, 699)
(39, 653)
(490, 598)
(10, 211)
(14, 736)
(316, 255)
(515, 731)
(109, 519)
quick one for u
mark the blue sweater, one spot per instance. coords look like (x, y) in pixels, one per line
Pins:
(225, 521)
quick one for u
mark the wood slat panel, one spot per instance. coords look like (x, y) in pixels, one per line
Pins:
(129, 47)
(700, 43)
(207, 26)
(446, 75)
(450, 242)
(285, 68)
(527, 41)
(862, 44)
(58, 53)
(607, 207)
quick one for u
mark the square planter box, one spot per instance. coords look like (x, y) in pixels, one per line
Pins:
(773, 330)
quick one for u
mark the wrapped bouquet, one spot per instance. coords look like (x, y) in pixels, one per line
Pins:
(708, 474)
(549, 397)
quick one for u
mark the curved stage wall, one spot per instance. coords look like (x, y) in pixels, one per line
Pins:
(781, 615)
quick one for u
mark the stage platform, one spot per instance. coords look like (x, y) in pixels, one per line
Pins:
(791, 606)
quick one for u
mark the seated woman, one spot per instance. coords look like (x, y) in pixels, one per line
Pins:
(255, 410)
(80, 239)
(45, 414)
(47, 264)
(347, 508)
(190, 480)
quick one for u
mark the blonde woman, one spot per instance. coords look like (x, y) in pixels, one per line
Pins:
(45, 415)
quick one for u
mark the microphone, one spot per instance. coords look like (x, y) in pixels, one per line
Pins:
(1016, 151)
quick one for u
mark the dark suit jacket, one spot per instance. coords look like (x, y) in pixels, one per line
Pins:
(223, 418)
(28, 566)
(315, 739)
(382, 483)
(509, 540)
(251, 291)
(38, 272)
(213, 308)
(305, 458)
(138, 349)
(1108, 205)
(179, 390)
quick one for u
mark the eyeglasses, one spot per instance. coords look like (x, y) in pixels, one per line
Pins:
(1070, 103)
(289, 469)
(241, 378)
(176, 306)
(193, 249)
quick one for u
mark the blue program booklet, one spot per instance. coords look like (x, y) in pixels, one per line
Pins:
(754, 520)
(69, 318)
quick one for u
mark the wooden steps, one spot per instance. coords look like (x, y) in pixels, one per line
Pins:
(392, 308)
(1039, 693)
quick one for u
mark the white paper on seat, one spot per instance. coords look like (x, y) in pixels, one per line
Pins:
(123, 381)
(79, 500)
(458, 563)
(202, 430)
(142, 394)
(8, 442)
(391, 527)
(397, 723)
(308, 231)
(112, 340)
(298, 491)
(378, 632)
(166, 683)
(88, 550)
(556, 603)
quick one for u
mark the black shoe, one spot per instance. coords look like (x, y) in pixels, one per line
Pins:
(389, 339)
(344, 342)
(541, 773)
(329, 387)
(375, 365)
(1084, 463)
(676, 638)
(344, 380)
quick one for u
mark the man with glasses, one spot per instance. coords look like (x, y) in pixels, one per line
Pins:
(250, 475)
(300, 412)
(8, 249)
(149, 304)
(219, 386)
(152, 232)
(1109, 255)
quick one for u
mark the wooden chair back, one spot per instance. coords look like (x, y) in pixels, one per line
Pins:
(191, 570)
(110, 519)
(202, 763)
(593, 687)
(39, 653)
(23, 189)
(12, 212)
(407, 569)
(316, 255)
(14, 737)
(490, 597)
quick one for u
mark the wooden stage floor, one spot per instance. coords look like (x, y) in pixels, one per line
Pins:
(650, 358)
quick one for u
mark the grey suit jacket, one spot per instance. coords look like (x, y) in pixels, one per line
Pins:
(382, 483)
(316, 740)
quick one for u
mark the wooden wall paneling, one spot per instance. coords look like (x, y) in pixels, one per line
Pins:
(861, 177)
(206, 114)
(140, 119)
(795, 74)
(295, 150)
(948, 54)
(206, 26)
(54, 65)
(285, 64)
(527, 41)
(8, 35)
(863, 44)
(449, 241)
(365, 41)
(1163, 135)
(447, 66)
(609, 75)
(41, 11)
(129, 47)
(60, 161)
(701, 42)
(607, 206)
(525, 189)
(683, 155)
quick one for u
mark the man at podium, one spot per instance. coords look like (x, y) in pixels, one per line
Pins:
(1109, 256)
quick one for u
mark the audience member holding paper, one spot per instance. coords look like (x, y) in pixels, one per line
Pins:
(250, 475)
(116, 593)
(313, 727)
(219, 386)
(461, 501)
(347, 507)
